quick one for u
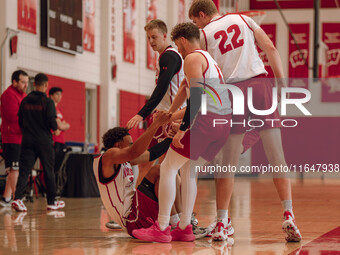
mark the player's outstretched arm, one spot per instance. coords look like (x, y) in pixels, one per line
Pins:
(180, 97)
(153, 153)
(118, 156)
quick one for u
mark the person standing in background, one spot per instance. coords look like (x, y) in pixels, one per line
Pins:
(58, 137)
(10, 131)
(37, 116)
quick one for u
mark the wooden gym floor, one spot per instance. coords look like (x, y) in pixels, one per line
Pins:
(255, 210)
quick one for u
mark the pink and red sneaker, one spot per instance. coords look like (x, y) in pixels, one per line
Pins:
(184, 235)
(153, 234)
(290, 228)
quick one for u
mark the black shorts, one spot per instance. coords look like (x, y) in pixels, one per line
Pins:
(11, 153)
(148, 189)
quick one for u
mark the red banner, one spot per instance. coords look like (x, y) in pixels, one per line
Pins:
(331, 37)
(151, 55)
(270, 30)
(331, 85)
(129, 22)
(289, 4)
(89, 7)
(298, 59)
(27, 15)
(181, 11)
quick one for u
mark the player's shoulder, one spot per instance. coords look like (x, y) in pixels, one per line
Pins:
(171, 55)
(194, 57)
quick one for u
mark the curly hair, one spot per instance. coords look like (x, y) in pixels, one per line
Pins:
(114, 135)
(188, 30)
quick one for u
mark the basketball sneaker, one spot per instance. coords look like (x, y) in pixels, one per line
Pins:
(153, 234)
(220, 232)
(58, 204)
(19, 206)
(5, 203)
(113, 225)
(230, 230)
(184, 235)
(290, 228)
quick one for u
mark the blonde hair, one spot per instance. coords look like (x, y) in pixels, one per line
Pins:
(156, 23)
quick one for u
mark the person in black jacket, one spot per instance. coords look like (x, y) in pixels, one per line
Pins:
(37, 116)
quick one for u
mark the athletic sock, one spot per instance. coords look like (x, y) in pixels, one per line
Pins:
(185, 221)
(174, 219)
(163, 221)
(288, 206)
(7, 199)
(222, 215)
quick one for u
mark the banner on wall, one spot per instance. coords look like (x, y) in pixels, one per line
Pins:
(129, 23)
(331, 84)
(331, 37)
(290, 4)
(151, 55)
(181, 11)
(27, 15)
(270, 30)
(298, 59)
(88, 26)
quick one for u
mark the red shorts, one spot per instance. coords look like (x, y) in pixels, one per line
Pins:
(158, 136)
(142, 208)
(262, 100)
(203, 139)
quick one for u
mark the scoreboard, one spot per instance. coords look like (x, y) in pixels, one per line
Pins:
(62, 25)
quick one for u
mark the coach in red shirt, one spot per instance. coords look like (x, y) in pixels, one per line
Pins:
(10, 130)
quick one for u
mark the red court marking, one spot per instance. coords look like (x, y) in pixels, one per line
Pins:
(327, 244)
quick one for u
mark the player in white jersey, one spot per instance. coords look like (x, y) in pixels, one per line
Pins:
(128, 207)
(231, 39)
(202, 74)
(169, 75)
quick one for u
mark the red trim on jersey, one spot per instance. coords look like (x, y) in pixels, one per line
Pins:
(108, 192)
(205, 39)
(207, 63)
(117, 193)
(174, 50)
(246, 23)
(217, 19)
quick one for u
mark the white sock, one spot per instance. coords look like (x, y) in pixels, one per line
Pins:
(189, 191)
(288, 206)
(7, 199)
(222, 216)
(174, 219)
(167, 185)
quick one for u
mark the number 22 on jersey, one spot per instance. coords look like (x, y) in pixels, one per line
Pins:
(234, 42)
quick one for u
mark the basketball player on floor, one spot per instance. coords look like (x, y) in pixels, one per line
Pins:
(230, 40)
(128, 207)
(206, 140)
(169, 75)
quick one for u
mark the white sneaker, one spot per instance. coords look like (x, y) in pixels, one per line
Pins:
(290, 228)
(58, 204)
(230, 230)
(19, 206)
(220, 232)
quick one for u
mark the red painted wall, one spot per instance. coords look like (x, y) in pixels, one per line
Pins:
(316, 140)
(130, 104)
(72, 106)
